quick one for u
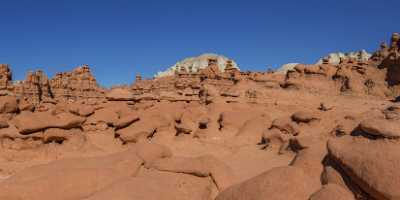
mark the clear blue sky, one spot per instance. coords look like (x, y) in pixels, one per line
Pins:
(119, 38)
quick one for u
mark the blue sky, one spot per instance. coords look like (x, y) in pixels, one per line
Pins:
(119, 38)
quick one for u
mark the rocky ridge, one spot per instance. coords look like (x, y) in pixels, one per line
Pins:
(195, 64)
(320, 131)
(332, 58)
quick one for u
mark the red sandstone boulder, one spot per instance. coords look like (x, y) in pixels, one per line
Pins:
(371, 164)
(185, 186)
(285, 125)
(67, 121)
(332, 176)
(253, 129)
(3, 124)
(82, 110)
(70, 178)
(185, 165)
(140, 188)
(8, 104)
(222, 175)
(280, 183)
(108, 116)
(126, 120)
(63, 185)
(234, 120)
(311, 161)
(304, 117)
(25, 105)
(145, 128)
(380, 128)
(150, 152)
(202, 166)
(120, 94)
(332, 192)
(33, 122)
(73, 138)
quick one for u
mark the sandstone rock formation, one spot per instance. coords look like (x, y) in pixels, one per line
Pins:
(286, 67)
(78, 84)
(335, 58)
(5, 77)
(332, 58)
(195, 64)
(320, 131)
(37, 87)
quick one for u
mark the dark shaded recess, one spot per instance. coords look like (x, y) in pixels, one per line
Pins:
(357, 132)
(348, 177)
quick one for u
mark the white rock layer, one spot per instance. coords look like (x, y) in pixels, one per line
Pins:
(334, 58)
(197, 63)
(286, 67)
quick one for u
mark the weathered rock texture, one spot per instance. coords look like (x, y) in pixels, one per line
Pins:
(335, 58)
(320, 131)
(195, 64)
(79, 84)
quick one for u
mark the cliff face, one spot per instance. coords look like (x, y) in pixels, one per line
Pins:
(195, 64)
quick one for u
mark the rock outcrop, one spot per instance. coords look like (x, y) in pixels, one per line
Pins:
(268, 185)
(286, 67)
(79, 84)
(323, 131)
(335, 58)
(195, 64)
(5, 77)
